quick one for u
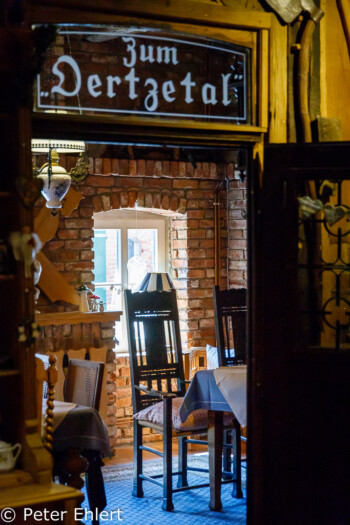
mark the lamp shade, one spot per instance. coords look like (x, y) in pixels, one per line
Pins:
(61, 146)
(156, 282)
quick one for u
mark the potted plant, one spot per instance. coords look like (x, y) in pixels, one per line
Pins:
(93, 302)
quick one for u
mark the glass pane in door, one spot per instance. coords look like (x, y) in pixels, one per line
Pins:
(142, 255)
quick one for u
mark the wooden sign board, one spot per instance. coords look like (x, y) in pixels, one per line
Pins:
(145, 72)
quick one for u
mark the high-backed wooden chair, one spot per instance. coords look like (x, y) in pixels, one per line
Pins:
(84, 382)
(230, 310)
(230, 307)
(45, 380)
(158, 386)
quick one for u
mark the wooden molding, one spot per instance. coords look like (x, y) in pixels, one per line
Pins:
(59, 318)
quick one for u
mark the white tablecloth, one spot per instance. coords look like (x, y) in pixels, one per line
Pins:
(60, 410)
(232, 382)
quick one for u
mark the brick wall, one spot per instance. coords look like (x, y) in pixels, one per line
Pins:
(237, 235)
(187, 195)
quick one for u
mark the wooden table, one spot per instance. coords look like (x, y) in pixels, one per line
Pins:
(79, 442)
(224, 393)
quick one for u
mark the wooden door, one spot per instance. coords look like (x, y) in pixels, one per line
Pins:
(299, 396)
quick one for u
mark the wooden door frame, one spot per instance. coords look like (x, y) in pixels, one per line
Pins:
(192, 133)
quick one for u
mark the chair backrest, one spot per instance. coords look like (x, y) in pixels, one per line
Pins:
(230, 308)
(154, 344)
(84, 382)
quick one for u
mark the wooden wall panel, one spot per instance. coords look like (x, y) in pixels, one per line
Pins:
(335, 68)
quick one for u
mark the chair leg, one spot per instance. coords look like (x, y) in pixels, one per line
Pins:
(236, 445)
(137, 481)
(167, 456)
(226, 458)
(182, 465)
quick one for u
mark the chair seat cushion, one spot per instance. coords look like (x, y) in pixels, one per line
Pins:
(197, 420)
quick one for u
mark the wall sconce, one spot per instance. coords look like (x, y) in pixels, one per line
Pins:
(156, 282)
(55, 178)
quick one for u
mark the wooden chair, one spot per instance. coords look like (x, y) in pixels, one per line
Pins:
(158, 386)
(84, 382)
(230, 310)
(230, 307)
(45, 380)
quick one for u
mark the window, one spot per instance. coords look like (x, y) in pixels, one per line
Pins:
(127, 245)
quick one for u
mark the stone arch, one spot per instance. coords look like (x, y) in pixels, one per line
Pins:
(146, 200)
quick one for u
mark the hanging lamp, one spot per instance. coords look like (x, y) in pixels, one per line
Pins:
(55, 178)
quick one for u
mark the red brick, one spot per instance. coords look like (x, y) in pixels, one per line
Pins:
(158, 168)
(195, 274)
(174, 168)
(236, 234)
(157, 201)
(97, 203)
(206, 323)
(205, 169)
(115, 202)
(206, 243)
(182, 169)
(179, 263)
(132, 168)
(107, 166)
(59, 266)
(207, 184)
(86, 234)
(106, 202)
(162, 184)
(79, 245)
(132, 199)
(182, 205)
(177, 244)
(174, 203)
(149, 168)
(165, 201)
(54, 245)
(85, 212)
(123, 402)
(124, 167)
(192, 204)
(206, 224)
(188, 184)
(237, 244)
(196, 234)
(67, 234)
(230, 170)
(148, 200)
(115, 166)
(124, 199)
(123, 392)
(141, 167)
(189, 169)
(94, 180)
(212, 170)
(237, 214)
(98, 166)
(166, 167)
(79, 223)
(79, 266)
(66, 255)
(140, 199)
(86, 255)
(195, 214)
